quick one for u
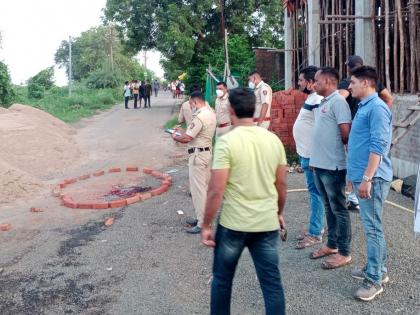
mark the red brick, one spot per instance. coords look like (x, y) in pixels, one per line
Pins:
(84, 205)
(37, 209)
(62, 185)
(5, 227)
(147, 170)
(134, 199)
(98, 173)
(117, 203)
(156, 174)
(109, 221)
(104, 205)
(156, 191)
(114, 170)
(69, 181)
(69, 203)
(165, 188)
(166, 182)
(83, 177)
(145, 196)
(132, 169)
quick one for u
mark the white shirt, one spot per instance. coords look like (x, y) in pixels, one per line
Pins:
(303, 127)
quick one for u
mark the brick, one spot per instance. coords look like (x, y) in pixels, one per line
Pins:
(5, 227)
(117, 203)
(134, 199)
(166, 182)
(98, 173)
(83, 177)
(147, 170)
(109, 221)
(145, 196)
(69, 203)
(62, 185)
(69, 181)
(156, 174)
(84, 205)
(103, 205)
(165, 188)
(157, 191)
(114, 170)
(132, 169)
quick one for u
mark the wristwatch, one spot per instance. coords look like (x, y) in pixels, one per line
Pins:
(366, 178)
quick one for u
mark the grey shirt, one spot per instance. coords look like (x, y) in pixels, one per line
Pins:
(328, 148)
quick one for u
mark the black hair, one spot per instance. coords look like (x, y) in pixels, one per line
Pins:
(126, 82)
(197, 94)
(366, 73)
(330, 72)
(242, 101)
(254, 72)
(221, 83)
(195, 87)
(309, 73)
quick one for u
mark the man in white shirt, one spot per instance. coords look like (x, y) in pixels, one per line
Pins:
(302, 133)
(264, 96)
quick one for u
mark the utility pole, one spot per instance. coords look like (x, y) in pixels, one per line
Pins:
(145, 64)
(70, 77)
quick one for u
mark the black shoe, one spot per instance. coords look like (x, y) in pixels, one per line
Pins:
(194, 230)
(191, 221)
(353, 206)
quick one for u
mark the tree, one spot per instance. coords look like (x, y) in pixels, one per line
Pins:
(6, 90)
(41, 82)
(184, 31)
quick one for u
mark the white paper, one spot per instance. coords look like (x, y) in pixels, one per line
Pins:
(180, 212)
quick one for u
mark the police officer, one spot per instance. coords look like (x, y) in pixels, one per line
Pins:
(264, 95)
(198, 135)
(222, 109)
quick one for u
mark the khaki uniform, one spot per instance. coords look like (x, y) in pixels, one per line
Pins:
(185, 113)
(222, 115)
(201, 130)
(263, 94)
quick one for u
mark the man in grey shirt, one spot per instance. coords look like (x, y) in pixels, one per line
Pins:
(328, 158)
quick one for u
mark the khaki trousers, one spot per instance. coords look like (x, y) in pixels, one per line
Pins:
(199, 166)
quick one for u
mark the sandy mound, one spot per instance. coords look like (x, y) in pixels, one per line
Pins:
(33, 145)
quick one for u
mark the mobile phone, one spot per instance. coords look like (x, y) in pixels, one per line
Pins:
(171, 131)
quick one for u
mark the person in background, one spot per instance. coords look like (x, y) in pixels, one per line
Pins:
(199, 136)
(135, 87)
(328, 159)
(370, 171)
(127, 94)
(222, 109)
(249, 177)
(156, 87)
(147, 93)
(142, 94)
(264, 95)
(302, 133)
(352, 63)
(173, 89)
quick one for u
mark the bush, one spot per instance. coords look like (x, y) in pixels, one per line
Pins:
(41, 82)
(7, 93)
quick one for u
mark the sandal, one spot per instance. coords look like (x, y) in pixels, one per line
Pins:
(336, 261)
(301, 235)
(323, 252)
(307, 241)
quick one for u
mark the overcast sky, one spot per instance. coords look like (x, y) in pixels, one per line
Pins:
(33, 30)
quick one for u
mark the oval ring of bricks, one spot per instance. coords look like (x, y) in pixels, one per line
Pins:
(166, 182)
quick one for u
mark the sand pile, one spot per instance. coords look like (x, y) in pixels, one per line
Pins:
(33, 145)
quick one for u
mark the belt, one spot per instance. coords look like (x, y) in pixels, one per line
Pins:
(223, 125)
(191, 150)
(265, 119)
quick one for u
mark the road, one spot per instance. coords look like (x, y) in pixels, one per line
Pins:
(65, 261)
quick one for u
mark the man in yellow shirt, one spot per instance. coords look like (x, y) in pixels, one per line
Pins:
(249, 175)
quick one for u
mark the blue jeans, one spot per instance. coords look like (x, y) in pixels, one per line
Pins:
(371, 217)
(332, 185)
(316, 216)
(263, 247)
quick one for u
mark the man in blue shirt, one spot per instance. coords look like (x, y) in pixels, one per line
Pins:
(369, 169)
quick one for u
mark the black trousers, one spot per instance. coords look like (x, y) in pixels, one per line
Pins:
(126, 101)
(146, 100)
(136, 96)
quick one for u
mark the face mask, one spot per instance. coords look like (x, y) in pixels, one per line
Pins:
(219, 93)
(307, 91)
(251, 85)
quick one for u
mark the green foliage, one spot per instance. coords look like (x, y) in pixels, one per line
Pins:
(84, 102)
(6, 90)
(98, 58)
(188, 30)
(41, 82)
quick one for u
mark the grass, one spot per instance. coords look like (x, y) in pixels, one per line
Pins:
(84, 102)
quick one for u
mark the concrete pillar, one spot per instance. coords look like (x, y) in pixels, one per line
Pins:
(314, 58)
(288, 45)
(364, 31)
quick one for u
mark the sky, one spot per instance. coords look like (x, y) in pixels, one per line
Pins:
(32, 31)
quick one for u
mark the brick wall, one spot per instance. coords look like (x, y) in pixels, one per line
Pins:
(270, 64)
(284, 111)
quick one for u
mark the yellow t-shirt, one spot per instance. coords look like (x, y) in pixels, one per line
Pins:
(252, 154)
